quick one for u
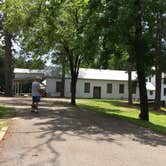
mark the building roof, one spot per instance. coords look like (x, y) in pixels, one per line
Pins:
(84, 73)
(100, 74)
(25, 74)
(28, 71)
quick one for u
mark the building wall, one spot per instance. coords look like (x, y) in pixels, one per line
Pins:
(153, 81)
(103, 85)
(162, 90)
(51, 89)
(150, 93)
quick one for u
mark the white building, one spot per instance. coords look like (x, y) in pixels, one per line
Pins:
(92, 83)
(151, 79)
(97, 83)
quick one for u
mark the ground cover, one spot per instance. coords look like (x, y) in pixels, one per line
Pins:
(5, 116)
(121, 109)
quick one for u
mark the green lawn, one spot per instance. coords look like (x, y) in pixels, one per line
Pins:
(122, 110)
(5, 115)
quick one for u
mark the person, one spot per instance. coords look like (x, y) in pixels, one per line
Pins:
(36, 94)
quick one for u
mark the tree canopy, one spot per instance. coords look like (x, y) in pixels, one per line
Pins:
(101, 34)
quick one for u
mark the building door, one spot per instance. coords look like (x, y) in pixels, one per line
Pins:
(97, 92)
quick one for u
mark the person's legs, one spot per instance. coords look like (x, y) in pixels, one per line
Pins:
(36, 107)
(35, 100)
(36, 103)
(33, 107)
(33, 104)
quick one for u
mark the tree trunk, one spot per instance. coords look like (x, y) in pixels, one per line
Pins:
(63, 75)
(157, 64)
(73, 89)
(140, 63)
(158, 90)
(130, 101)
(74, 62)
(144, 114)
(8, 64)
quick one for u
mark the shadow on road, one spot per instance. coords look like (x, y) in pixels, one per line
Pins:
(61, 119)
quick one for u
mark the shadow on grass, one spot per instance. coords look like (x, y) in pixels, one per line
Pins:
(6, 112)
(119, 103)
(114, 112)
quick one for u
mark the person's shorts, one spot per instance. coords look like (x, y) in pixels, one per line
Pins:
(36, 98)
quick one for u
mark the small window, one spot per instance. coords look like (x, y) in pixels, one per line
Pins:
(121, 88)
(150, 79)
(109, 88)
(87, 87)
(151, 92)
(58, 86)
(164, 91)
(164, 81)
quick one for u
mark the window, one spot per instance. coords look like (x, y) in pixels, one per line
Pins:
(151, 92)
(121, 88)
(150, 79)
(164, 81)
(164, 91)
(87, 87)
(58, 86)
(109, 88)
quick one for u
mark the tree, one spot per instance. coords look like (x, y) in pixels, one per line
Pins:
(8, 55)
(33, 63)
(127, 20)
(57, 23)
(159, 20)
(140, 52)
(8, 64)
(2, 78)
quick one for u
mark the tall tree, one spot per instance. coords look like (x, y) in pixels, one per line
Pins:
(127, 20)
(58, 23)
(8, 64)
(139, 46)
(8, 54)
(159, 19)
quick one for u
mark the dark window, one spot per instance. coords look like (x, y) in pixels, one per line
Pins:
(151, 92)
(109, 88)
(164, 91)
(87, 87)
(164, 80)
(58, 86)
(149, 79)
(121, 88)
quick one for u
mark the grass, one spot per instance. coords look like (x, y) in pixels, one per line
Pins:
(122, 110)
(5, 115)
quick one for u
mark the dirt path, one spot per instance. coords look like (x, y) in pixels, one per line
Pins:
(63, 136)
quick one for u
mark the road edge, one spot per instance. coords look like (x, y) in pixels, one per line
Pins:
(3, 132)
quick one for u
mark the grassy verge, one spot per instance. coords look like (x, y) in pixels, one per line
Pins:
(5, 115)
(122, 110)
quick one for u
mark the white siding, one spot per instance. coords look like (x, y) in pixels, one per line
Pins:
(51, 89)
(151, 96)
(153, 81)
(103, 84)
(67, 88)
(162, 90)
